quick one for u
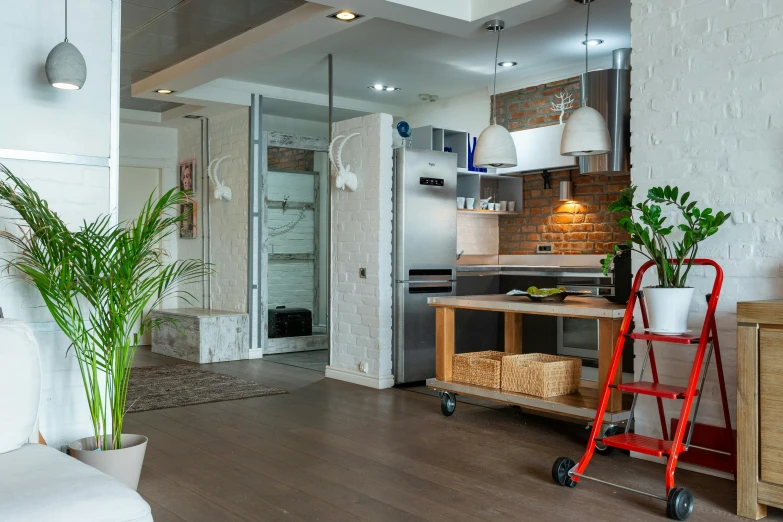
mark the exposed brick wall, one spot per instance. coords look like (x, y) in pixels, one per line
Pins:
(532, 107)
(707, 116)
(583, 227)
(281, 158)
(361, 309)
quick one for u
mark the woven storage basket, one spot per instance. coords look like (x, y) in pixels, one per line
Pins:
(541, 375)
(479, 368)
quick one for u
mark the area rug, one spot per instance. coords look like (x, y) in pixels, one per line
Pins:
(159, 387)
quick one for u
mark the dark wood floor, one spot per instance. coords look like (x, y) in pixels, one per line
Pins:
(332, 451)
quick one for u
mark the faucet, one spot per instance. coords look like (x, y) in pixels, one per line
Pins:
(459, 254)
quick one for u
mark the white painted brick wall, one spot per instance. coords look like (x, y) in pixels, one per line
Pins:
(291, 282)
(707, 115)
(229, 136)
(477, 234)
(361, 309)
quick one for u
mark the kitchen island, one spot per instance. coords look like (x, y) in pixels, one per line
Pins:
(580, 405)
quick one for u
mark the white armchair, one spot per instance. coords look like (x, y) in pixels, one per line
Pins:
(39, 483)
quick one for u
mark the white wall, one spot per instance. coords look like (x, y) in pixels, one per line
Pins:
(153, 147)
(469, 112)
(291, 282)
(477, 234)
(707, 115)
(38, 117)
(229, 220)
(296, 126)
(361, 309)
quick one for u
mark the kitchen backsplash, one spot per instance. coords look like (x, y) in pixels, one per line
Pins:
(477, 234)
(584, 226)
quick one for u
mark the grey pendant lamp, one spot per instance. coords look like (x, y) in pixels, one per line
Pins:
(65, 65)
(495, 147)
(585, 132)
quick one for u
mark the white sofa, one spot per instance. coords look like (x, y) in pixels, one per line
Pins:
(39, 483)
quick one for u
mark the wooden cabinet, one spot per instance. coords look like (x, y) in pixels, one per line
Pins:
(759, 407)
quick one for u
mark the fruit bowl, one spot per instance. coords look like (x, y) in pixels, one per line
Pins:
(543, 295)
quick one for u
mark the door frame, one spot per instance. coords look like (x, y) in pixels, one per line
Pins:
(291, 141)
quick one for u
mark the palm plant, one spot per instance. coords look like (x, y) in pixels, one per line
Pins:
(96, 282)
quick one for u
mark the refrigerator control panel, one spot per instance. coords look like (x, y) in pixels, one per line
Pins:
(433, 182)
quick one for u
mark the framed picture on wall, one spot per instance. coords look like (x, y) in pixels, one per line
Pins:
(187, 227)
(187, 175)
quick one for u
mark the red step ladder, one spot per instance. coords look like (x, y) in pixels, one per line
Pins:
(679, 501)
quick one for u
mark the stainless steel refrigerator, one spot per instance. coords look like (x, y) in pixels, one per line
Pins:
(425, 247)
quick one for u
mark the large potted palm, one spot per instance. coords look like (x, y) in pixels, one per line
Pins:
(671, 248)
(97, 282)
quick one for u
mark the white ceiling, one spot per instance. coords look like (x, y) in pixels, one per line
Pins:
(397, 44)
(423, 61)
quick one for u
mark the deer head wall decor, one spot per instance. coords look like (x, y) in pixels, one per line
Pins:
(222, 191)
(566, 102)
(345, 179)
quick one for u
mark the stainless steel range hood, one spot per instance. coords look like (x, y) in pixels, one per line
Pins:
(609, 92)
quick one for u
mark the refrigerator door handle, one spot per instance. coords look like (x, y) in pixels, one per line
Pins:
(426, 282)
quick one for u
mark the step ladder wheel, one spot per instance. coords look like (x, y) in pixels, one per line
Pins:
(679, 504)
(560, 470)
(448, 403)
(603, 449)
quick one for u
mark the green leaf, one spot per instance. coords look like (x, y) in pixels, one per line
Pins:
(675, 192)
(684, 198)
(667, 192)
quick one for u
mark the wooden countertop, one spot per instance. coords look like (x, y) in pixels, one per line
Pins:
(582, 307)
(760, 312)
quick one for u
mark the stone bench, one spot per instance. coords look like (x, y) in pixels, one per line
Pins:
(202, 336)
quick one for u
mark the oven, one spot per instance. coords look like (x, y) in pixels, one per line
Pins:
(579, 337)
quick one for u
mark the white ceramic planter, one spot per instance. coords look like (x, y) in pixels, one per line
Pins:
(123, 464)
(667, 309)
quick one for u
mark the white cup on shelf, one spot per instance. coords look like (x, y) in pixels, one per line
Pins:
(460, 202)
(511, 206)
(503, 206)
(470, 203)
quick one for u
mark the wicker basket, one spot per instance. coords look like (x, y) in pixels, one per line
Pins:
(541, 375)
(479, 368)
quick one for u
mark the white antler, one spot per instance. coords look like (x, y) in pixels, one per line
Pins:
(221, 190)
(345, 179)
(566, 102)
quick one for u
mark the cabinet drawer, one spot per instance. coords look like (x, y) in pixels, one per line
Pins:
(771, 404)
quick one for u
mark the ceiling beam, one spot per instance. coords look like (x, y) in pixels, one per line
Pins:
(294, 29)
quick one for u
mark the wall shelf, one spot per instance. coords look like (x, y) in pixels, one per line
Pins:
(470, 184)
(490, 212)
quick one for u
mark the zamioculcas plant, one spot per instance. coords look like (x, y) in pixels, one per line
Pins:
(96, 282)
(652, 237)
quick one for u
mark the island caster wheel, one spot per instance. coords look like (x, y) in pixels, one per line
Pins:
(679, 504)
(560, 470)
(603, 449)
(448, 403)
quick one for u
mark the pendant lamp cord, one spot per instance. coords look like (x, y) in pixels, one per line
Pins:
(66, 20)
(587, 46)
(495, 80)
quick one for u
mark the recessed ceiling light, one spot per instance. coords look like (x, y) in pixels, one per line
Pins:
(380, 87)
(164, 91)
(593, 42)
(345, 16)
(507, 64)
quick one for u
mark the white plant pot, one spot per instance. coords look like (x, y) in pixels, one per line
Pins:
(122, 464)
(667, 309)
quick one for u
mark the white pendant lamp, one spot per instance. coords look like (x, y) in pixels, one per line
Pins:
(585, 132)
(65, 65)
(495, 147)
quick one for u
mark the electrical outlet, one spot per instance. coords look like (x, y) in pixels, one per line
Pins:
(364, 367)
(363, 273)
(544, 248)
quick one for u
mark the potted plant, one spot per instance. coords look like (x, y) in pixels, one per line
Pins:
(668, 302)
(96, 282)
